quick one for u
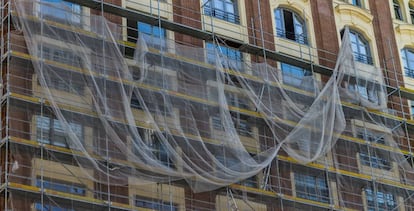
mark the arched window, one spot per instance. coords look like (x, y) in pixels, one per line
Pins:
(397, 10)
(357, 3)
(222, 9)
(290, 25)
(407, 56)
(360, 47)
(411, 13)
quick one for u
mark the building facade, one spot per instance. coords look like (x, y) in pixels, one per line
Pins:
(70, 67)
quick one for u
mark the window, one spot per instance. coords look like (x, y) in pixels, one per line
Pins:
(412, 108)
(233, 55)
(357, 3)
(59, 10)
(38, 206)
(374, 159)
(61, 186)
(155, 36)
(153, 204)
(366, 90)
(60, 55)
(360, 48)
(293, 75)
(290, 25)
(412, 13)
(159, 151)
(312, 187)
(381, 200)
(408, 61)
(50, 131)
(371, 136)
(242, 126)
(65, 81)
(216, 122)
(236, 100)
(397, 10)
(222, 9)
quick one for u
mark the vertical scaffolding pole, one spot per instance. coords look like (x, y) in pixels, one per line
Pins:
(7, 14)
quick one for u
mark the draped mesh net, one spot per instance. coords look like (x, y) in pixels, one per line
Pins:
(176, 112)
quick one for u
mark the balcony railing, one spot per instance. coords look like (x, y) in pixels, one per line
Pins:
(299, 38)
(363, 58)
(409, 72)
(221, 14)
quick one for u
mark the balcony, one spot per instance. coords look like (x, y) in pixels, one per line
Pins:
(363, 58)
(221, 14)
(299, 38)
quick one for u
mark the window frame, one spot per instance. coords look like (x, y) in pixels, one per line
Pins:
(320, 194)
(152, 38)
(361, 47)
(57, 10)
(39, 207)
(367, 158)
(226, 10)
(372, 200)
(368, 90)
(408, 64)
(290, 79)
(398, 14)
(155, 204)
(357, 3)
(55, 131)
(154, 144)
(242, 126)
(234, 56)
(298, 23)
(60, 186)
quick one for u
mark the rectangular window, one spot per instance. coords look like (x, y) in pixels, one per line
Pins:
(155, 36)
(50, 131)
(311, 187)
(242, 126)
(412, 109)
(159, 151)
(65, 81)
(222, 9)
(371, 136)
(236, 100)
(39, 207)
(216, 122)
(381, 200)
(155, 204)
(61, 186)
(60, 11)
(294, 76)
(374, 160)
(233, 56)
(59, 54)
(366, 90)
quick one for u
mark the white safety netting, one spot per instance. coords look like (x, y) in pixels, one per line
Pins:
(169, 115)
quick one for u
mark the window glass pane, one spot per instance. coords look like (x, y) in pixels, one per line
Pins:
(222, 9)
(293, 75)
(290, 25)
(311, 187)
(53, 8)
(145, 28)
(155, 204)
(382, 201)
(154, 35)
